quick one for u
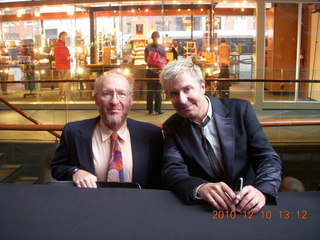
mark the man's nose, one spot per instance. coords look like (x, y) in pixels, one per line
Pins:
(114, 99)
(183, 98)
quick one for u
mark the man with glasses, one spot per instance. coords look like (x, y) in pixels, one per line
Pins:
(210, 143)
(111, 147)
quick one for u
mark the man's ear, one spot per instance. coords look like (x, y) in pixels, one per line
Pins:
(203, 86)
(164, 89)
(95, 99)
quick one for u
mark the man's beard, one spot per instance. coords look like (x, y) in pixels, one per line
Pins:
(115, 121)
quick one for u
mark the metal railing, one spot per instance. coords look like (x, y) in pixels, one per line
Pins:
(265, 123)
(38, 126)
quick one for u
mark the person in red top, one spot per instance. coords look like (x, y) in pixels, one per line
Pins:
(63, 60)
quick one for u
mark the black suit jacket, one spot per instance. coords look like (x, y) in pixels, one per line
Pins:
(75, 150)
(246, 152)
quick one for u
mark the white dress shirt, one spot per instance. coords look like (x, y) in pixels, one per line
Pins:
(210, 132)
(101, 146)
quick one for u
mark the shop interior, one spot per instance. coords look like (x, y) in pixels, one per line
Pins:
(104, 35)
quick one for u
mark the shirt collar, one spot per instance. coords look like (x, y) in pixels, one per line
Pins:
(106, 132)
(209, 113)
(208, 116)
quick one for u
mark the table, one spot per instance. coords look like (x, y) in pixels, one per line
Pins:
(56, 212)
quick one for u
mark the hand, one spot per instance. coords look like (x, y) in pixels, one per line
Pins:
(219, 195)
(84, 179)
(250, 199)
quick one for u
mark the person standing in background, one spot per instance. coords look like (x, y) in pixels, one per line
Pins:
(63, 60)
(153, 86)
(224, 53)
(224, 64)
(137, 59)
(137, 54)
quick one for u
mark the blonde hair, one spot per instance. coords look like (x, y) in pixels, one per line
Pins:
(174, 70)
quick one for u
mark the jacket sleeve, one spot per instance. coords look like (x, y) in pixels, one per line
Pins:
(265, 161)
(62, 167)
(157, 150)
(175, 174)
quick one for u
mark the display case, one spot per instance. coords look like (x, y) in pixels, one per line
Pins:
(191, 48)
(4, 66)
(234, 65)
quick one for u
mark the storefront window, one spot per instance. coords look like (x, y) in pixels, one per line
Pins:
(102, 36)
(291, 52)
(182, 25)
(309, 57)
(281, 50)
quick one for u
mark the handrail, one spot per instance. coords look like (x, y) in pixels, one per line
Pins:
(26, 115)
(28, 127)
(290, 122)
(264, 123)
(157, 79)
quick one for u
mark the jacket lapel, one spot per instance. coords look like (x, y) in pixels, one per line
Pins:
(226, 133)
(84, 147)
(194, 147)
(138, 148)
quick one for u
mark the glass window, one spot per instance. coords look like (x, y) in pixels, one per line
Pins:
(291, 52)
(281, 50)
(194, 31)
(309, 57)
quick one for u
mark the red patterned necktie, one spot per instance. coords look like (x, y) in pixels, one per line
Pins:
(115, 168)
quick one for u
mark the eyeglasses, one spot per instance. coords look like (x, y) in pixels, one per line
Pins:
(121, 96)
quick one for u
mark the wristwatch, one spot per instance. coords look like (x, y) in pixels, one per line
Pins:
(75, 170)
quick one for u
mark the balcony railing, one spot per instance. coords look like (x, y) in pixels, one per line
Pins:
(278, 91)
(37, 106)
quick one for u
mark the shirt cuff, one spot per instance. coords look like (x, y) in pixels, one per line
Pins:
(195, 194)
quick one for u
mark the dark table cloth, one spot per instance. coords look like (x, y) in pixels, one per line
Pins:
(55, 212)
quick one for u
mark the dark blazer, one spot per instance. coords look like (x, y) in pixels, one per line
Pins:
(246, 151)
(75, 150)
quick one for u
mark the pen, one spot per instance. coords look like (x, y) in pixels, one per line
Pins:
(239, 185)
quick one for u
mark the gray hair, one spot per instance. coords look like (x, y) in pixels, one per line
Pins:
(118, 71)
(174, 70)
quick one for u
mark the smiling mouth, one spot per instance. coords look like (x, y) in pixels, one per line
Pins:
(185, 107)
(114, 110)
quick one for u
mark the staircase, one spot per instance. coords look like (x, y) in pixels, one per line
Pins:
(10, 173)
(26, 180)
